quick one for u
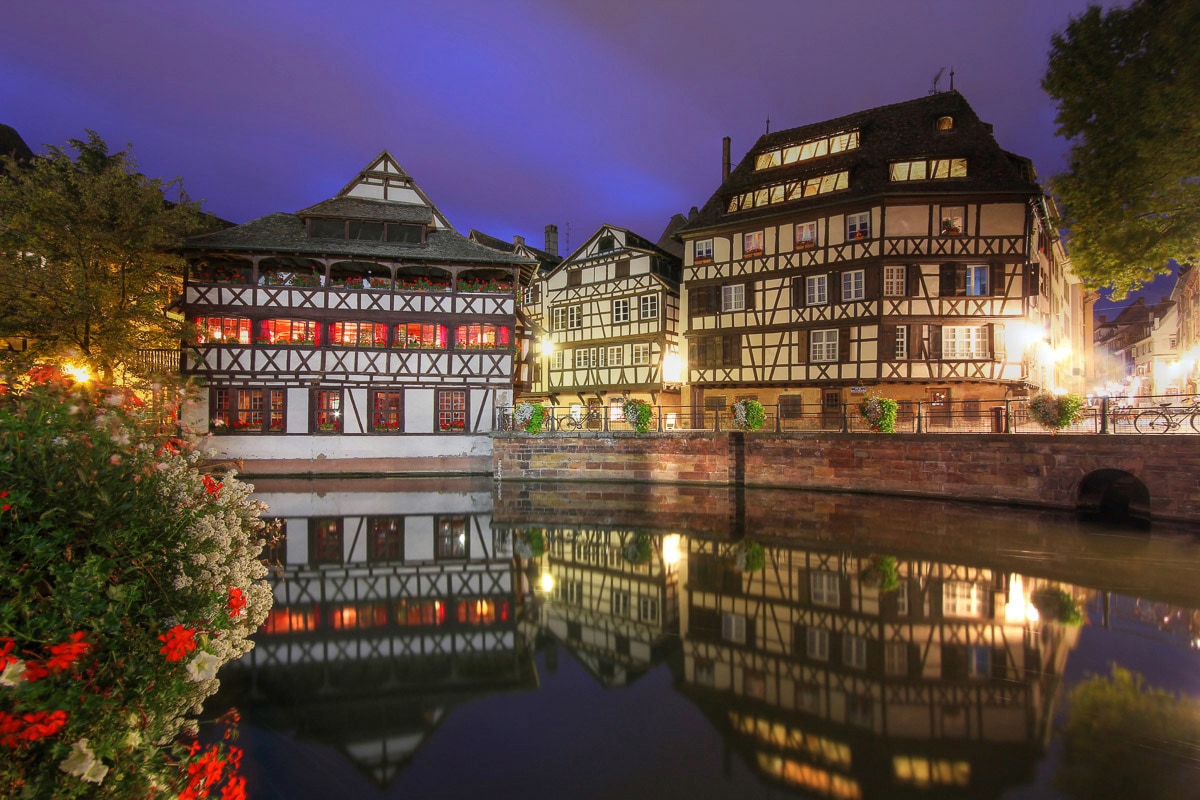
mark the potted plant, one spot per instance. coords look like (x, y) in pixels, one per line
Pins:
(879, 413)
(748, 415)
(529, 543)
(1056, 411)
(880, 572)
(949, 228)
(637, 414)
(529, 417)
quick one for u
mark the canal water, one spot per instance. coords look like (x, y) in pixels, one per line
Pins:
(462, 639)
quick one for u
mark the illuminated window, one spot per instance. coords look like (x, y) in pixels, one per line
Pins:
(451, 411)
(752, 244)
(481, 337)
(704, 251)
(952, 220)
(290, 331)
(325, 541)
(387, 410)
(823, 346)
(895, 280)
(945, 123)
(327, 410)
(858, 226)
(803, 151)
(222, 330)
(788, 191)
(420, 612)
(620, 311)
(733, 297)
(385, 539)
(358, 616)
(641, 354)
(358, 334)
(806, 235)
(923, 772)
(825, 588)
(929, 169)
(962, 599)
(901, 351)
(290, 620)
(853, 284)
(451, 542)
(420, 335)
(476, 612)
(965, 341)
(247, 411)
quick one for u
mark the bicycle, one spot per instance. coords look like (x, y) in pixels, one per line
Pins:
(571, 422)
(1167, 419)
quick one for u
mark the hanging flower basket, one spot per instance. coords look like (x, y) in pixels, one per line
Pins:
(882, 573)
(637, 414)
(529, 417)
(879, 413)
(748, 415)
(1056, 411)
(1056, 605)
(749, 557)
(639, 549)
(529, 543)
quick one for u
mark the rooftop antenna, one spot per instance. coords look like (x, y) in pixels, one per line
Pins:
(952, 79)
(936, 78)
(768, 123)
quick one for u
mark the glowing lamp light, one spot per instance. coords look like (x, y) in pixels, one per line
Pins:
(77, 372)
(547, 582)
(546, 347)
(671, 549)
(672, 368)
(1018, 609)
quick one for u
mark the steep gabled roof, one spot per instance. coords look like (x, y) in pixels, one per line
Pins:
(887, 134)
(632, 242)
(11, 144)
(546, 260)
(384, 179)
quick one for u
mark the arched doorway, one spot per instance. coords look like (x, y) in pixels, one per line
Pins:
(1113, 495)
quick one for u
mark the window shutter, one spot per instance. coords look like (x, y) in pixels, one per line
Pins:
(935, 341)
(694, 354)
(912, 276)
(802, 347)
(995, 335)
(887, 343)
(919, 346)
(623, 268)
(873, 283)
(797, 292)
(997, 280)
(748, 295)
(844, 345)
(947, 280)
(697, 304)
(1033, 283)
(733, 350)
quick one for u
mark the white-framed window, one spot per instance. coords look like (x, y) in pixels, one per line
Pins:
(529, 295)
(895, 280)
(854, 651)
(706, 674)
(853, 284)
(979, 662)
(648, 306)
(902, 599)
(616, 355)
(574, 317)
(964, 341)
(895, 658)
(977, 280)
(559, 359)
(952, 220)
(582, 358)
(733, 628)
(641, 354)
(648, 609)
(901, 353)
(733, 297)
(558, 318)
(806, 235)
(752, 244)
(620, 311)
(823, 346)
(962, 599)
(824, 588)
(704, 250)
(858, 226)
(569, 591)
(620, 602)
(817, 644)
(599, 357)
(816, 290)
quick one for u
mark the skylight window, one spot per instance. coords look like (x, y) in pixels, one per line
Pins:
(803, 151)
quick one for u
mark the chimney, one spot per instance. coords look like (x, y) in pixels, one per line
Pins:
(725, 159)
(552, 239)
(518, 240)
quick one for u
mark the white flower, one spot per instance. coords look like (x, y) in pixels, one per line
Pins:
(12, 673)
(203, 666)
(82, 763)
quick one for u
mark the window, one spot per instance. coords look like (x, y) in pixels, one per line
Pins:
(961, 599)
(574, 317)
(860, 710)
(929, 169)
(754, 684)
(622, 268)
(816, 290)
(405, 234)
(367, 231)
(558, 318)
(858, 226)
(823, 346)
(648, 306)
(952, 220)
(620, 602)
(808, 698)
(648, 609)
(733, 628)
(641, 354)
(620, 311)
(752, 244)
(321, 228)
(559, 359)
(451, 410)
(451, 542)
(616, 355)
(289, 331)
(854, 651)
(803, 151)
(852, 284)
(420, 335)
(791, 406)
(895, 281)
(964, 341)
(901, 352)
(327, 410)
(529, 295)
(247, 410)
(703, 252)
(733, 297)
(583, 358)
(817, 644)
(824, 588)
(976, 280)
(790, 190)
(945, 123)
(806, 235)
(715, 351)
(569, 591)
(385, 540)
(606, 243)
(481, 337)
(575, 277)
(325, 540)
(705, 672)
(222, 330)
(895, 658)
(979, 662)
(387, 411)
(358, 334)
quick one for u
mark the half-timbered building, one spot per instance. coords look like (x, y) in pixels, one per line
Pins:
(610, 312)
(360, 328)
(888, 249)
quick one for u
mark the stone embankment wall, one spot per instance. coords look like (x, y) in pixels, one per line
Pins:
(1028, 469)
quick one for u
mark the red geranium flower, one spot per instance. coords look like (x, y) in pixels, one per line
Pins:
(65, 654)
(35, 671)
(212, 487)
(177, 642)
(236, 603)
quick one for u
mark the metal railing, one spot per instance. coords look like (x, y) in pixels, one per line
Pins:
(1163, 414)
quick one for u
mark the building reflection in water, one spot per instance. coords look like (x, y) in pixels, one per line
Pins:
(834, 656)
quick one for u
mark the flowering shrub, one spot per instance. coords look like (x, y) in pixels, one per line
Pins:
(127, 578)
(1055, 605)
(748, 415)
(749, 557)
(637, 414)
(529, 417)
(638, 549)
(879, 413)
(1056, 411)
(881, 572)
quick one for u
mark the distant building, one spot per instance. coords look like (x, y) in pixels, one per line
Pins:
(361, 332)
(887, 251)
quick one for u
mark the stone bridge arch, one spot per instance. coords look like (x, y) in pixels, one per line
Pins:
(1113, 495)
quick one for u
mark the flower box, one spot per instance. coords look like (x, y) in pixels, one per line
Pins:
(703, 260)
(758, 251)
(805, 245)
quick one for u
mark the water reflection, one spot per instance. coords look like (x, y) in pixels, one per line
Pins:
(818, 645)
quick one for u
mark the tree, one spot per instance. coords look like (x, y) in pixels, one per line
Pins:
(1127, 85)
(84, 249)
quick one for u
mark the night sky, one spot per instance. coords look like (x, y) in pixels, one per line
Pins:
(510, 115)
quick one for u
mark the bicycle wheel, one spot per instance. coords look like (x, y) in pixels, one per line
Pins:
(1195, 418)
(1152, 422)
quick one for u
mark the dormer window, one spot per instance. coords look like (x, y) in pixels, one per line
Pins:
(365, 230)
(319, 228)
(607, 243)
(945, 123)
